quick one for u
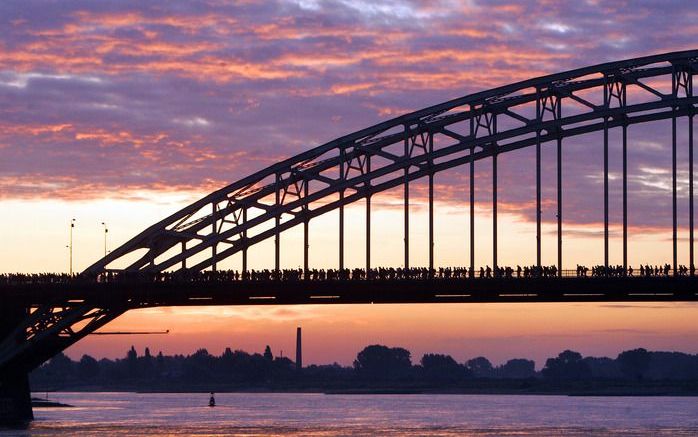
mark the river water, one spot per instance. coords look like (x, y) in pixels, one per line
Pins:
(113, 414)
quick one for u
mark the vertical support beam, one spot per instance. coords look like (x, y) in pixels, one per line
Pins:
(606, 100)
(690, 193)
(472, 194)
(368, 217)
(184, 260)
(306, 225)
(559, 201)
(214, 231)
(691, 266)
(539, 116)
(674, 234)
(431, 206)
(406, 206)
(675, 94)
(341, 211)
(625, 196)
(277, 221)
(624, 103)
(494, 211)
(244, 238)
(494, 197)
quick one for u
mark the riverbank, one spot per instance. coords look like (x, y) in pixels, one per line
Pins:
(45, 403)
(474, 387)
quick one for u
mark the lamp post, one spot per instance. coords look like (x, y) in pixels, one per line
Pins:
(70, 246)
(105, 238)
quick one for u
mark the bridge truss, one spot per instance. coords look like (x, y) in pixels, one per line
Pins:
(396, 152)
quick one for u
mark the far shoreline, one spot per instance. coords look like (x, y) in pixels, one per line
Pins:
(629, 392)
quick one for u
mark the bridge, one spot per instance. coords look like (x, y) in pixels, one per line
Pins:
(176, 261)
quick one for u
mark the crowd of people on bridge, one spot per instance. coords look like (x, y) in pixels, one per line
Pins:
(645, 271)
(355, 274)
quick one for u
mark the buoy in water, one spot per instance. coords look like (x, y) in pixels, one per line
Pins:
(212, 401)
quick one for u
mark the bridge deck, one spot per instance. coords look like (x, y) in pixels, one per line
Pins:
(175, 293)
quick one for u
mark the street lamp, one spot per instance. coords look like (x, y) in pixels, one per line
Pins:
(70, 246)
(105, 238)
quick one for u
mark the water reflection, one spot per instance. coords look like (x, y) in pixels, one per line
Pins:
(396, 415)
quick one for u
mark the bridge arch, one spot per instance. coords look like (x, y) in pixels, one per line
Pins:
(417, 145)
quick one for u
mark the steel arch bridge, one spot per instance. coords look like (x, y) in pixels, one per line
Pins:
(39, 320)
(418, 145)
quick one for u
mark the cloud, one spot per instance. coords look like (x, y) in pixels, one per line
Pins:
(116, 98)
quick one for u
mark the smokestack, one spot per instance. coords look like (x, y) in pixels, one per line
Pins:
(299, 350)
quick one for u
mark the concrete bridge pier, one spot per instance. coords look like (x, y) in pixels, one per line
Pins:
(15, 400)
(15, 396)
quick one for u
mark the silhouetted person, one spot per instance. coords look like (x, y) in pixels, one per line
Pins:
(212, 401)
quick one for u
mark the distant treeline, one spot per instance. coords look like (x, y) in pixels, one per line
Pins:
(374, 366)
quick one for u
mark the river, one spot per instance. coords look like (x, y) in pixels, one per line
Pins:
(113, 414)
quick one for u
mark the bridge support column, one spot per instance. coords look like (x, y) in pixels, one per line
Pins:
(494, 213)
(15, 400)
(607, 104)
(431, 208)
(341, 213)
(494, 198)
(625, 198)
(306, 241)
(406, 207)
(605, 189)
(559, 206)
(691, 265)
(472, 194)
(15, 397)
(472, 210)
(539, 117)
(368, 220)
(244, 236)
(277, 223)
(674, 236)
(214, 231)
(406, 226)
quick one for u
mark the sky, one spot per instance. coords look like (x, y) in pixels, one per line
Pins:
(124, 112)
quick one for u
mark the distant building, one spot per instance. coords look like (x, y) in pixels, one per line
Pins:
(299, 349)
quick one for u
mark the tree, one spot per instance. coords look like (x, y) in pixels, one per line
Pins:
(634, 363)
(267, 354)
(603, 367)
(160, 364)
(61, 366)
(567, 365)
(132, 362)
(88, 367)
(518, 368)
(147, 363)
(199, 366)
(381, 362)
(132, 355)
(440, 367)
(480, 367)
